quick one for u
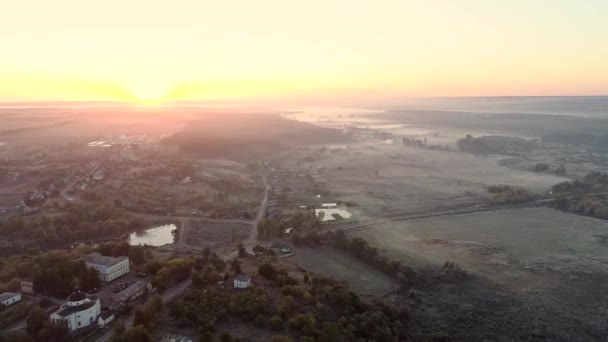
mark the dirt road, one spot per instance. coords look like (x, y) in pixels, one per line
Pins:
(253, 235)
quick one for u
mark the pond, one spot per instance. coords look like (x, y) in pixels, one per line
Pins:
(157, 236)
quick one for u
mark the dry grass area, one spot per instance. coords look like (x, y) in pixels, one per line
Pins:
(211, 234)
(333, 263)
(408, 179)
(545, 269)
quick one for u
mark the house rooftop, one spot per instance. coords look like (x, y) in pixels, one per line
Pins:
(7, 295)
(107, 313)
(242, 277)
(98, 259)
(68, 309)
(127, 293)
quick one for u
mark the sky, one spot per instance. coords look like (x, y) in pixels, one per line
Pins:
(210, 50)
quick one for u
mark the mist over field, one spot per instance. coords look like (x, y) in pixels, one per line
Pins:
(320, 170)
(493, 209)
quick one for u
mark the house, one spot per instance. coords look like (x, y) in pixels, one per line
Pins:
(332, 215)
(106, 318)
(136, 290)
(242, 281)
(108, 268)
(9, 298)
(27, 286)
(80, 311)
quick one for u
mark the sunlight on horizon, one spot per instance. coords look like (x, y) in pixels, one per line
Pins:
(269, 49)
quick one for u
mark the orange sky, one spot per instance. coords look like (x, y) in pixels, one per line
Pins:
(200, 49)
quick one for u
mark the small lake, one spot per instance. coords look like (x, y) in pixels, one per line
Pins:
(157, 236)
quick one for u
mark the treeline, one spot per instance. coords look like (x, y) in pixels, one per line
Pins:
(545, 167)
(55, 273)
(78, 223)
(38, 329)
(316, 309)
(495, 144)
(302, 222)
(362, 250)
(137, 254)
(588, 196)
(422, 143)
(507, 194)
(143, 321)
(596, 141)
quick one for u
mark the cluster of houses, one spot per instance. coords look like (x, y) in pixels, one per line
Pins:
(84, 311)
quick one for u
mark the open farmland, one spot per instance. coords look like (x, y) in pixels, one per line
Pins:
(491, 241)
(540, 269)
(333, 263)
(408, 179)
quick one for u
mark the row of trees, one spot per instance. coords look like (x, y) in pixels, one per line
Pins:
(588, 196)
(78, 223)
(494, 144)
(362, 250)
(507, 194)
(301, 222)
(137, 254)
(38, 329)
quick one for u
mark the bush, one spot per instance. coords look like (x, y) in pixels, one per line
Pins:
(267, 271)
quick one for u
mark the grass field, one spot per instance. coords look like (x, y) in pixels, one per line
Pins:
(544, 271)
(481, 241)
(332, 263)
(408, 179)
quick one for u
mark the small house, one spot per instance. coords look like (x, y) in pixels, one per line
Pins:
(27, 286)
(242, 281)
(9, 298)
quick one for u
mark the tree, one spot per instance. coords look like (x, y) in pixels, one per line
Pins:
(225, 337)
(235, 266)
(280, 338)
(16, 336)
(197, 279)
(36, 320)
(242, 251)
(118, 333)
(304, 323)
(137, 334)
(54, 332)
(89, 279)
(141, 318)
(275, 323)
(267, 271)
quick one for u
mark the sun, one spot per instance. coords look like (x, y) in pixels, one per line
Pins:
(149, 93)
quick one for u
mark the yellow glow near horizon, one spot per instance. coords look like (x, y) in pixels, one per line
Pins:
(144, 51)
(149, 93)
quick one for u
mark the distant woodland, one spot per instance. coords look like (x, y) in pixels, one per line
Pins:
(588, 196)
